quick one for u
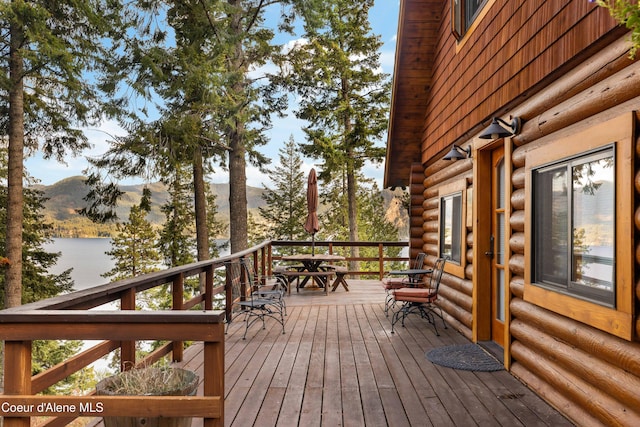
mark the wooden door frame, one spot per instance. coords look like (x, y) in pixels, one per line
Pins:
(482, 219)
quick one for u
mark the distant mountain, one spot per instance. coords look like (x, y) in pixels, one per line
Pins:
(65, 197)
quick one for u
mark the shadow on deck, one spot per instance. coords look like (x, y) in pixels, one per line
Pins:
(339, 365)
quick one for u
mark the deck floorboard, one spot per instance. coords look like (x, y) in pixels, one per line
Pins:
(339, 365)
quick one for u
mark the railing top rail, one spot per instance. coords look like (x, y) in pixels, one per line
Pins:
(337, 243)
(112, 291)
(121, 326)
(44, 317)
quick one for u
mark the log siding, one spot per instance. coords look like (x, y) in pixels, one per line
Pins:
(563, 67)
(549, 352)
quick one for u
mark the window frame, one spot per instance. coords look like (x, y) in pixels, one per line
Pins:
(568, 285)
(619, 133)
(446, 202)
(453, 189)
(461, 27)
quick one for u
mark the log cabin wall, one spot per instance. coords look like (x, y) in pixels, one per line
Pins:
(562, 66)
(456, 291)
(590, 374)
(416, 209)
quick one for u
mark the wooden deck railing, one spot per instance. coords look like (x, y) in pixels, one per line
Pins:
(382, 259)
(77, 316)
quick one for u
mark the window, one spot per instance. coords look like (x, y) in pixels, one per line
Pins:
(579, 222)
(574, 226)
(451, 227)
(464, 12)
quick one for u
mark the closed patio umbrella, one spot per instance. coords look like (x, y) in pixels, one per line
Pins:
(311, 225)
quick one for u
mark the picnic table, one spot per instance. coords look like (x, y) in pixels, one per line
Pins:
(313, 266)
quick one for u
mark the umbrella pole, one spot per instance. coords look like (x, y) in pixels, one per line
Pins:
(313, 244)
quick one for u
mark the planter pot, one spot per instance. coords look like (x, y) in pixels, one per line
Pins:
(154, 383)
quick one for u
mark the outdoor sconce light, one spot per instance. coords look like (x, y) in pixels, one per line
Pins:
(399, 185)
(496, 130)
(457, 153)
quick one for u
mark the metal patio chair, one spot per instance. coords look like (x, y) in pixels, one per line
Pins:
(265, 287)
(392, 283)
(421, 300)
(246, 300)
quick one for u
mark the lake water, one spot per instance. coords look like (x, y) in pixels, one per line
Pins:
(87, 257)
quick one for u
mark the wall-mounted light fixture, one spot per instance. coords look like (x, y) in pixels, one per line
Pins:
(496, 130)
(458, 153)
(399, 185)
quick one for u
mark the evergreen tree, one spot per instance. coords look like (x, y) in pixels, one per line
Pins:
(334, 222)
(343, 96)
(47, 47)
(258, 229)
(217, 228)
(134, 247)
(38, 283)
(212, 107)
(176, 242)
(374, 226)
(286, 210)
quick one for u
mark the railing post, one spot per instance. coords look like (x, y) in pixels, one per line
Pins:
(381, 259)
(263, 262)
(177, 287)
(128, 348)
(214, 373)
(17, 376)
(228, 295)
(208, 288)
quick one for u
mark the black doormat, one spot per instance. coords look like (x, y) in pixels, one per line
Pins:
(466, 357)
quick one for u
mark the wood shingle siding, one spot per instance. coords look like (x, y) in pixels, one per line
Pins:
(517, 47)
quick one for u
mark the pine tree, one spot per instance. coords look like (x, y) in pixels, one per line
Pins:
(286, 210)
(212, 107)
(216, 227)
(343, 96)
(134, 247)
(45, 95)
(374, 226)
(258, 229)
(334, 222)
(38, 283)
(176, 242)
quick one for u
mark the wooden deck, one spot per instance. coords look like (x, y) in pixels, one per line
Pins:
(339, 365)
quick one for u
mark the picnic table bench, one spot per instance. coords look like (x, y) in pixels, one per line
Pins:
(323, 275)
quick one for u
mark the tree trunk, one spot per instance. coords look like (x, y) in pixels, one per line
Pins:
(238, 232)
(13, 275)
(352, 185)
(200, 206)
(237, 195)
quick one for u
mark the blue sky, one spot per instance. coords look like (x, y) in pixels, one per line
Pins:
(384, 21)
